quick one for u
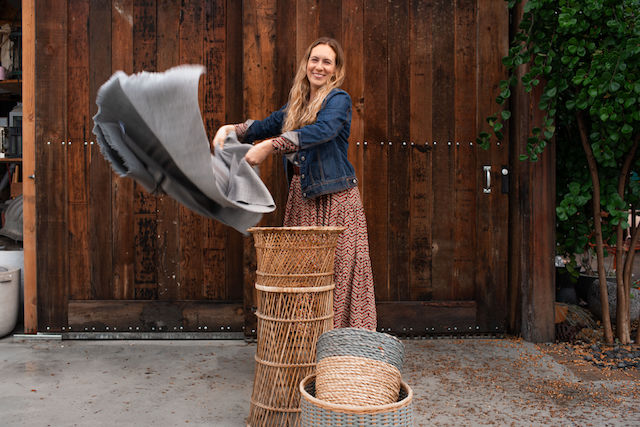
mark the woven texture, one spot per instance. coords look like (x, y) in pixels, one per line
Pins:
(291, 318)
(317, 413)
(359, 367)
(362, 343)
(295, 256)
(351, 380)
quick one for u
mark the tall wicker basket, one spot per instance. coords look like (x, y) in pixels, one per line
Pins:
(294, 284)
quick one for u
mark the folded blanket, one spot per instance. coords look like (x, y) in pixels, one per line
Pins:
(149, 128)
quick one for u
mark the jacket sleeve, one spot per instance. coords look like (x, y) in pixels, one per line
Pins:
(269, 127)
(331, 119)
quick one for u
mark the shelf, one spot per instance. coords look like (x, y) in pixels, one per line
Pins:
(11, 160)
(11, 86)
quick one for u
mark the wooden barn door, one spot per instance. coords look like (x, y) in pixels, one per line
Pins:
(436, 203)
(112, 257)
(423, 75)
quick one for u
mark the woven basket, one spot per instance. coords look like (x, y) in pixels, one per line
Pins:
(318, 413)
(292, 313)
(358, 367)
(295, 256)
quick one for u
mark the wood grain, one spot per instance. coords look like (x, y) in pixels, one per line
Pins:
(149, 316)
(51, 132)
(375, 174)
(421, 196)
(29, 165)
(465, 131)
(145, 205)
(353, 45)
(78, 125)
(399, 154)
(443, 119)
(492, 209)
(122, 218)
(100, 237)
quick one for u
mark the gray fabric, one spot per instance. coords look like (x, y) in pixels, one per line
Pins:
(149, 128)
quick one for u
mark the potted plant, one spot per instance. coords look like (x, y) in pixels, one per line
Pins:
(586, 56)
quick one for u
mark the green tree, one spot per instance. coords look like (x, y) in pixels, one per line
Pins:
(585, 54)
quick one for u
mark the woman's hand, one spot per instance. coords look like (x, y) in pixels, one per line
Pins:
(259, 152)
(221, 135)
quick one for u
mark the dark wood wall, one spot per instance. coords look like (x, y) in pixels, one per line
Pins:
(422, 75)
(101, 237)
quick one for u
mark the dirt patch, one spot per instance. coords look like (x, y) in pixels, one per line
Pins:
(593, 362)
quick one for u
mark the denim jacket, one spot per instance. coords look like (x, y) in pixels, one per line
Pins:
(322, 153)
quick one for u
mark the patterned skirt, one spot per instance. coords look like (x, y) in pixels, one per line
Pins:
(354, 297)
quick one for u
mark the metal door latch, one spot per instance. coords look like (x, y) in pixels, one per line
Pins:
(505, 180)
(487, 184)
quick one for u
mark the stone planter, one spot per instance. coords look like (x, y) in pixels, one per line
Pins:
(9, 299)
(594, 299)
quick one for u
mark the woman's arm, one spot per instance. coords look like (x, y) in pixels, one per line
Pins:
(261, 129)
(252, 130)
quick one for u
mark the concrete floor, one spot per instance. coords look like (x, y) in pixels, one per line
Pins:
(177, 383)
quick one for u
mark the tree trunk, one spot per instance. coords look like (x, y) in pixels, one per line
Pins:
(623, 321)
(597, 224)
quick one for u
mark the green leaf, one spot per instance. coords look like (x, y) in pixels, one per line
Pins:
(626, 129)
(523, 157)
(506, 114)
(552, 92)
(614, 86)
(604, 117)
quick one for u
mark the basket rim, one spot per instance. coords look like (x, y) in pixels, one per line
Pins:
(302, 229)
(295, 289)
(353, 409)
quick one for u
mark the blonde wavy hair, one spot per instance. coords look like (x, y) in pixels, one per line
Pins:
(301, 112)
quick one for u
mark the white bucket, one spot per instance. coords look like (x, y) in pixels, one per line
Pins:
(9, 299)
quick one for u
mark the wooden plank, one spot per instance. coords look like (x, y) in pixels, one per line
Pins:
(353, 42)
(215, 82)
(234, 60)
(191, 224)
(286, 62)
(307, 25)
(122, 220)
(443, 165)
(465, 131)
(234, 114)
(260, 96)
(492, 209)
(148, 316)
(421, 318)
(100, 239)
(77, 151)
(145, 204)
(399, 152)
(421, 191)
(330, 19)
(28, 164)
(50, 119)
(168, 224)
(375, 154)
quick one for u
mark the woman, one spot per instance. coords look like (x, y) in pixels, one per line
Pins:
(312, 130)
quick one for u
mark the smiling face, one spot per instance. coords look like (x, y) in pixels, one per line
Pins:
(321, 66)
